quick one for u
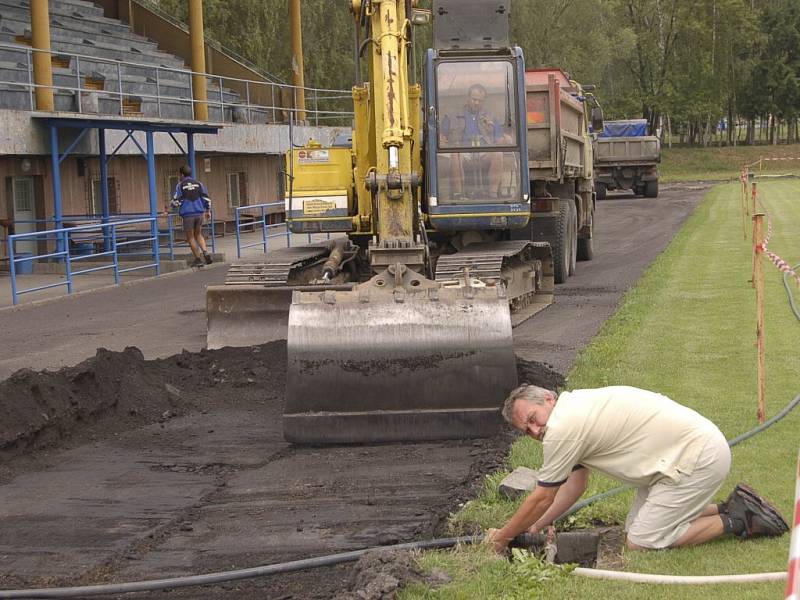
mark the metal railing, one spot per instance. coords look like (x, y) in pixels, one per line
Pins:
(262, 222)
(254, 97)
(169, 227)
(123, 237)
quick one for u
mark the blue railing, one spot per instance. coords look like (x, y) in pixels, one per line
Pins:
(168, 225)
(266, 228)
(124, 238)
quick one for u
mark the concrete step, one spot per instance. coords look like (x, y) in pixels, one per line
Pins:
(12, 9)
(60, 30)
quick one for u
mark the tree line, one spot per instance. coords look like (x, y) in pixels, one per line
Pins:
(726, 71)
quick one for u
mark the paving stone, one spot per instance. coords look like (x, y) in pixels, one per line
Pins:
(518, 483)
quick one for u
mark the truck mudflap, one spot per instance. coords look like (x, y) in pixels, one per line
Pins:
(398, 358)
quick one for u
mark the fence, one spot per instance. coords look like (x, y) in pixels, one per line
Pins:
(244, 219)
(71, 245)
(249, 97)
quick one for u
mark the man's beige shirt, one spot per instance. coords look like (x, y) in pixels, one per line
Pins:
(627, 433)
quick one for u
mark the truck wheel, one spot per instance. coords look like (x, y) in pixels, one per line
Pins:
(585, 249)
(651, 189)
(573, 238)
(600, 190)
(562, 245)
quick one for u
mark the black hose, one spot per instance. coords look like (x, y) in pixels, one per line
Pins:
(789, 291)
(320, 561)
(211, 578)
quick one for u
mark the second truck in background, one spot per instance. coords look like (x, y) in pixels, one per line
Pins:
(626, 158)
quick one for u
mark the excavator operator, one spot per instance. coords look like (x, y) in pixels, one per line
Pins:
(474, 173)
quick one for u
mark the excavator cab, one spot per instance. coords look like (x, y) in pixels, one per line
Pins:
(476, 170)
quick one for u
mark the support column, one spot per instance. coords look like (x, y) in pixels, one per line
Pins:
(151, 185)
(55, 166)
(298, 80)
(190, 154)
(42, 64)
(104, 209)
(198, 60)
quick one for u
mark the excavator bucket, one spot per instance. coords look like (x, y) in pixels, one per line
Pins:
(248, 315)
(417, 362)
(252, 307)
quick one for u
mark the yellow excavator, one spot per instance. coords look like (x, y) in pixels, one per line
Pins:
(399, 327)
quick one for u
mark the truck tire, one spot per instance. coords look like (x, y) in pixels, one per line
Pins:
(651, 189)
(562, 245)
(600, 190)
(585, 248)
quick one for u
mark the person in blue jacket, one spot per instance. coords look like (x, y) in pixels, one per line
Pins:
(474, 174)
(191, 199)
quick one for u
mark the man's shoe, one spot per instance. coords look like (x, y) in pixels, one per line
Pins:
(760, 518)
(197, 262)
(208, 258)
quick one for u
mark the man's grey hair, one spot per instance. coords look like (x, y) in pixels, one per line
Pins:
(530, 393)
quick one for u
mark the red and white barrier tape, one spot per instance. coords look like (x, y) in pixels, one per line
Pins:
(776, 260)
(793, 574)
(769, 233)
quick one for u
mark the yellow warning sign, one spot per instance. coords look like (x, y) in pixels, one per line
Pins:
(317, 206)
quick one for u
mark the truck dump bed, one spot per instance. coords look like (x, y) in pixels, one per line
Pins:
(613, 151)
(625, 142)
(556, 144)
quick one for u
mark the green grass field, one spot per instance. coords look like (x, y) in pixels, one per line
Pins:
(721, 164)
(687, 330)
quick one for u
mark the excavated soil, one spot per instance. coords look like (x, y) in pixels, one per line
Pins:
(119, 391)
(116, 395)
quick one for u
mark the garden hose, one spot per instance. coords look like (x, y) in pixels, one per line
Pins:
(789, 291)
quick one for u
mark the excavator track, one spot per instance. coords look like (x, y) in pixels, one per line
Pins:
(276, 268)
(509, 262)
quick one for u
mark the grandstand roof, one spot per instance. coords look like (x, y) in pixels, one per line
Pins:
(78, 121)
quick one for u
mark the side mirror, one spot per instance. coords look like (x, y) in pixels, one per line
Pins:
(597, 119)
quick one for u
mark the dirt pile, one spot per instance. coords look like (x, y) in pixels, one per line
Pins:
(380, 574)
(39, 408)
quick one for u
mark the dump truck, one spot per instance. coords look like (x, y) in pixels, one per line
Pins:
(398, 327)
(626, 158)
(560, 115)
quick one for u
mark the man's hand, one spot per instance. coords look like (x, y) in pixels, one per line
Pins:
(534, 529)
(493, 538)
